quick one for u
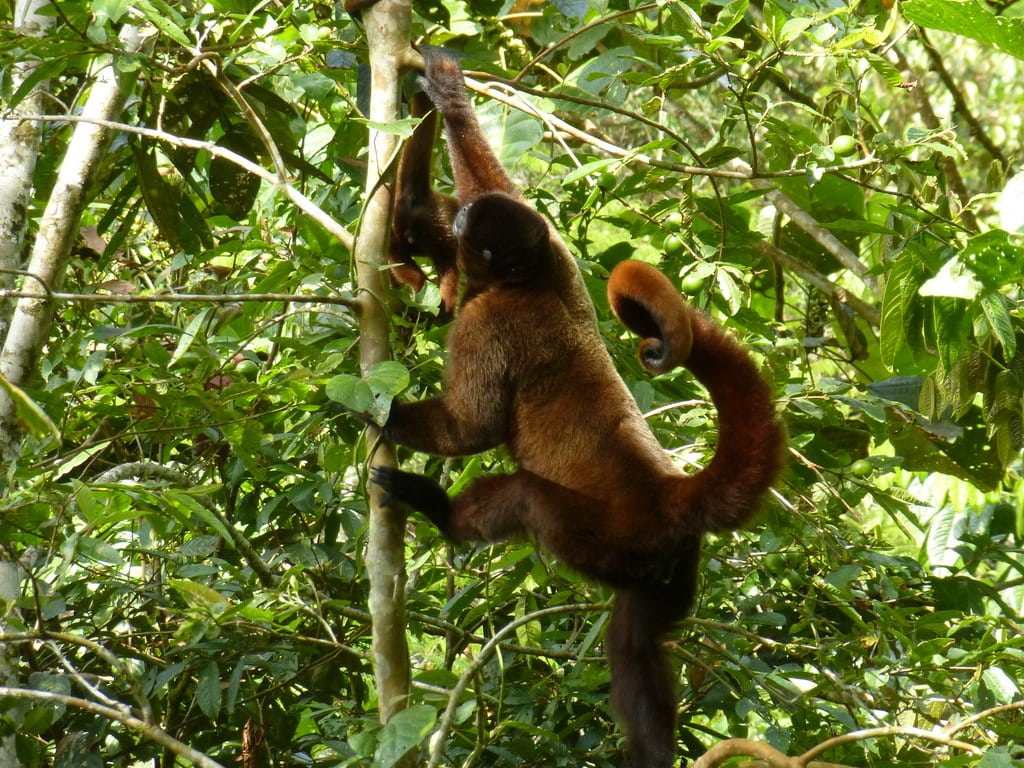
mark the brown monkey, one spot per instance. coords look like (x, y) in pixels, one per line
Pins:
(527, 367)
(422, 220)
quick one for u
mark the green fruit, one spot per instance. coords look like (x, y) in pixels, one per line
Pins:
(607, 181)
(247, 368)
(860, 468)
(673, 222)
(673, 245)
(692, 283)
(844, 145)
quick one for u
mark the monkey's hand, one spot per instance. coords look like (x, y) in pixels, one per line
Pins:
(417, 491)
(442, 81)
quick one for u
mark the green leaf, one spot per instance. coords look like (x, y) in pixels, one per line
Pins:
(372, 394)
(166, 19)
(730, 15)
(404, 731)
(208, 694)
(351, 391)
(1001, 684)
(889, 73)
(900, 291)
(199, 595)
(388, 378)
(190, 334)
(998, 315)
(998, 757)
(99, 550)
(31, 417)
(995, 257)
(970, 19)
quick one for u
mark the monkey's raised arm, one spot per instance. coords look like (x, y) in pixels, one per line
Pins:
(422, 223)
(474, 165)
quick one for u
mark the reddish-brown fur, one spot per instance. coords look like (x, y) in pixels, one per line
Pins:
(527, 367)
(422, 220)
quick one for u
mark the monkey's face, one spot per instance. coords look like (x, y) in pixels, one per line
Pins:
(502, 240)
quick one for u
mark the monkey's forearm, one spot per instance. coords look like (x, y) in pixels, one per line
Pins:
(429, 426)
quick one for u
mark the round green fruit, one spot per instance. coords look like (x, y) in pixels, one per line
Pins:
(607, 181)
(844, 145)
(673, 245)
(673, 222)
(692, 283)
(860, 468)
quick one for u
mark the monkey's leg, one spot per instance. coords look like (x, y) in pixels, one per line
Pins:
(421, 493)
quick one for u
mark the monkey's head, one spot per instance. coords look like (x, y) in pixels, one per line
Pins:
(502, 240)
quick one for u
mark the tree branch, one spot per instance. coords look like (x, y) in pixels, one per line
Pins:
(172, 298)
(387, 27)
(896, 730)
(441, 734)
(32, 319)
(152, 732)
(949, 166)
(867, 311)
(303, 203)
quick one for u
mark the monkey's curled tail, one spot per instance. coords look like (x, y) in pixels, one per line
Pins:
(643, 692)
(751, 438)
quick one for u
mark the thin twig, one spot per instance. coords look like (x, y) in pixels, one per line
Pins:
(170, 298)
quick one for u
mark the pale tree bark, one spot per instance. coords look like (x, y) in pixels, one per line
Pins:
(387, 25)
(58, 227)
(19, 147)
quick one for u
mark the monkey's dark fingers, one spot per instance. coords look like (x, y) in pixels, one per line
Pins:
(417, 491)
(442, 80)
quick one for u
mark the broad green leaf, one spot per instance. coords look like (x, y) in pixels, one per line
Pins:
(1000, 321)
(404, 731)
(730, 15)
(995, 257)
(998, 757)
(970, 19)
(942, 538)
(99, 550)
(373, 394)
(882, 66)
(166, 19)
(388, 378)
(208, 693)
(199, 595)
(1001, 684)
(900, 291)
(30, 416)
(190, 334)
(353, 392)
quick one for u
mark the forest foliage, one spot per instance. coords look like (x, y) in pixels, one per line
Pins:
(183, 525)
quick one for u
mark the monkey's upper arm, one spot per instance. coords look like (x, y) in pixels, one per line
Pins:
(475, 167)
(472, 413)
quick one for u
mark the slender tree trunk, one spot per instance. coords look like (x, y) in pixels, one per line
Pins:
(32, 318)
(387, 27)
(19, 147)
